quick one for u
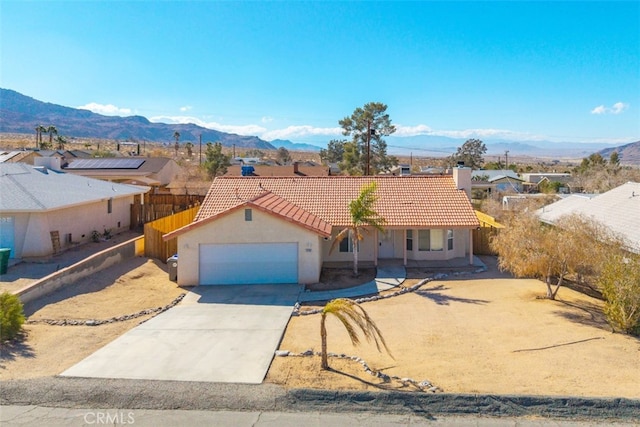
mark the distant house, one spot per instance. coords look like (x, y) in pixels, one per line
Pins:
(532, 181)
(43, 211)
(156, 172)
(21, 156)
(618, 209)
(504, 180)
(295, 169)
(281, 229)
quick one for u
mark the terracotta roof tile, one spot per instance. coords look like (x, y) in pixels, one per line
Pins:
(409, 201)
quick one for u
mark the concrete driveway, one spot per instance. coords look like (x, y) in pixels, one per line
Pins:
(217, 334)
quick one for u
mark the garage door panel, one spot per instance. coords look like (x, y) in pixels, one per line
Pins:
(248, 263)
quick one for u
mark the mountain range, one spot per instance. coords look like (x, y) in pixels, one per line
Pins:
(21, 114)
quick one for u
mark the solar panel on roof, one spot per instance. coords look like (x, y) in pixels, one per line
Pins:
(106, 164)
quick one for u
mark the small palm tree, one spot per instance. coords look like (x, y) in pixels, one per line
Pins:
(51, 130)
(176, 135)
(189, 147)
(39, 130)
(362, 215)
(353, 317)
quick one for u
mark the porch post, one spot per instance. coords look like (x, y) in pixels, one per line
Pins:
(375, 247)
(471, 246)
(404, 246)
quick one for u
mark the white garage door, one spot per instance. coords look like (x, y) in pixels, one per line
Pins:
(244, 264)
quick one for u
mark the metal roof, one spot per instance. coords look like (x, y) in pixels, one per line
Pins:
(25, 188)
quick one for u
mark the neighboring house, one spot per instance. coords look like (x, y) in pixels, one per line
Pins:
(532, 181)
(402, 169)
(156, 172)
(281, 229)
(38, 204)
(295, 169)
(490, 181)
(618, 209)
(22, 156)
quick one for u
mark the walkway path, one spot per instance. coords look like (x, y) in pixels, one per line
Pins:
(387, 277)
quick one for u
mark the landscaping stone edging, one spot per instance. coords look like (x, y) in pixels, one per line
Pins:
(98, 322)
(401, 291)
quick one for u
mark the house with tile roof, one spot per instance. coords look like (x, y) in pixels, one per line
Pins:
(618, 209)
(44, 211)
(282, 229)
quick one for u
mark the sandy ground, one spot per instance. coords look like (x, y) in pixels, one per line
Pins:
(485, 333)
(488, 333)
(132, 286)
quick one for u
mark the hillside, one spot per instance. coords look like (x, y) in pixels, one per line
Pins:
(21, 114)
(629, 153)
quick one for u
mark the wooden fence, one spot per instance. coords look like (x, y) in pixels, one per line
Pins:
(154, 246)
(158, 206)
(482, 236)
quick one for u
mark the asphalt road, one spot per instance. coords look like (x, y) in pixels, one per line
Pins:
(11, 416)
(147, 396)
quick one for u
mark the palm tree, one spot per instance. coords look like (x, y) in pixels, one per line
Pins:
(51, 130)
(189, 147)
(353, 317)
(362, 215)
(39, 130)
(176, 135)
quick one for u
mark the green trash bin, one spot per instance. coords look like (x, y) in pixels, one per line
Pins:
(4, 260)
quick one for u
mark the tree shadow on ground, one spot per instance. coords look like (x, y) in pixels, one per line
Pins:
(17, 348)
(88, 284)
(433, 294)
(584, 313)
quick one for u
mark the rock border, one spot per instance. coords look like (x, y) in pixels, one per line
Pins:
(99, 322)
(401, 291)
(424, 385)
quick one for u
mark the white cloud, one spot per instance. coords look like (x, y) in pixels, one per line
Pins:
(107, 110)
(186, 108)
(486, 133)
(619, 107)
(616, 108)
(248, 130)
(300, 131)
(266, 119)
(412, 130)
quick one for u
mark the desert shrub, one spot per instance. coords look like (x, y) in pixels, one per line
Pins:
(11, 316)
(620, 284)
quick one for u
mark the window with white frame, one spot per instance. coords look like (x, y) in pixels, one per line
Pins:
(449, 240)
(409, 240)
(430, 240)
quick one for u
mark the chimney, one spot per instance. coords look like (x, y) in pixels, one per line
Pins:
(296, 169)
(462, 178)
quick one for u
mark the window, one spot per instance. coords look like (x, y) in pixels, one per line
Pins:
(449, 240)
(437, 240)
(430, 240)
(247, 215)
(424, 242)
(346, 245)
(109, 206)
(409, 240)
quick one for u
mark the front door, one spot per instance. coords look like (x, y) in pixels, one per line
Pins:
(385, 244)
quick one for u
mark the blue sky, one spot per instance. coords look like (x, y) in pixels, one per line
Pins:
(558, 71)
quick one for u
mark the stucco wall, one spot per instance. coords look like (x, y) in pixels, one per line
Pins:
(69, 275)
(263, 228)
(368, 250)
(32, 230)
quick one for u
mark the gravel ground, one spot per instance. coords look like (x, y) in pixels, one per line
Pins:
(137, 394)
